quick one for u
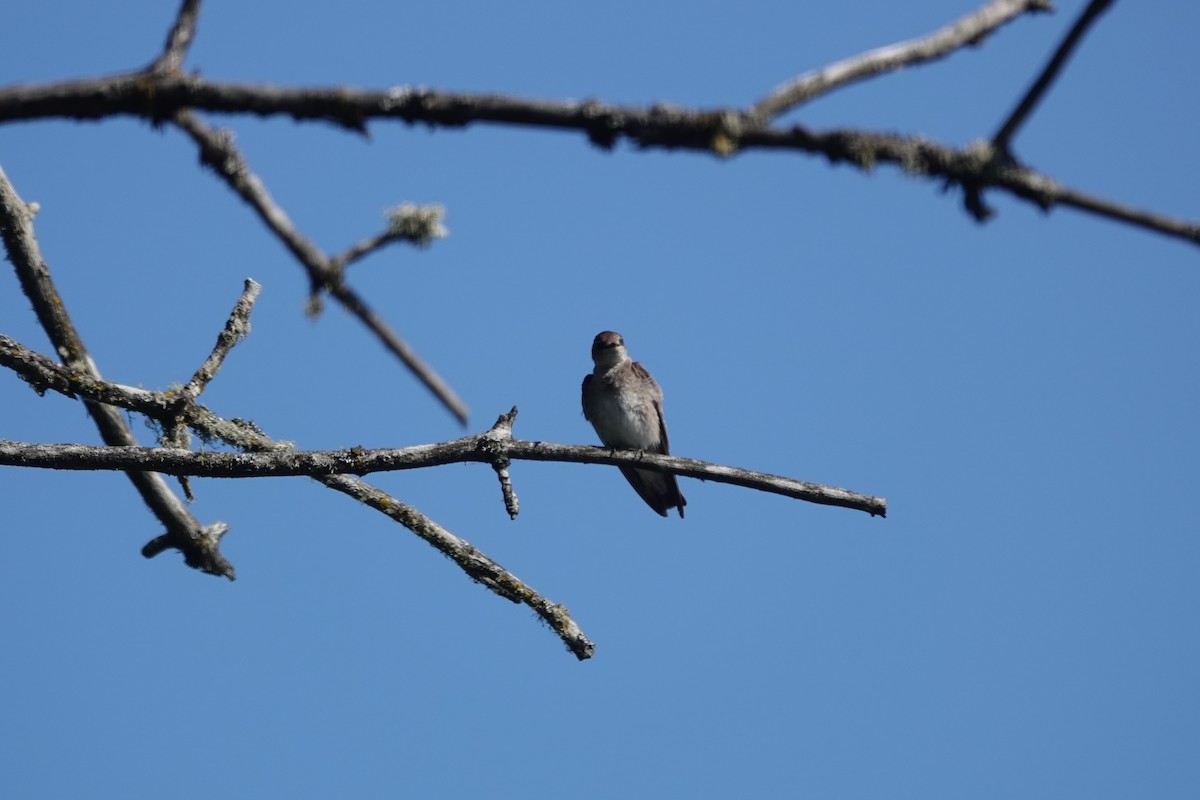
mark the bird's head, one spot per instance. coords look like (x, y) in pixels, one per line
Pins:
(608, 350)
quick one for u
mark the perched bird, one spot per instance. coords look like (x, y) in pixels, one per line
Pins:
(624, 405)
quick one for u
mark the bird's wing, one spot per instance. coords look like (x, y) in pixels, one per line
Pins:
(641, 372)
(648, 380)
(664, 446)
(587, 379)
(651, 487)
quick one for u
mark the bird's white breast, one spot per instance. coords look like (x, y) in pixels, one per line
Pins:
(625, 419)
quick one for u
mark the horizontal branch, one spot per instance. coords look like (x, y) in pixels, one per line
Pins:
(721, 131)
(493, 446)
(485, 448)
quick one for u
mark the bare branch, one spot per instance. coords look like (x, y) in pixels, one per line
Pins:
(175, 433)
(43, 373)
(178, 40)
(271, 459)
(478, 566)
(363, 249)
(210, 537)
(501, 433)
(511, 504)
(218, 151)
(1003, 138)
(406, 223)
(975, 167)
(485, 448)
(723, 131)
(1123, 213)
(236, 329)
(970, 30)
(16, 227)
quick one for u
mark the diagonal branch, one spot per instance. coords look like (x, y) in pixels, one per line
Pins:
(1003, 138)
(478, 566)
(218, 152)
(199, 542)
(969, 30)
(178, 40)
(237, 327)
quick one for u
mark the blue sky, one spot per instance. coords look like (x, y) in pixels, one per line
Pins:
(1023, 624)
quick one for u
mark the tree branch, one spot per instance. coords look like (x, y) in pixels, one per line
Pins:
(722, 131)
(970, 30)
(502, 432)
(975, 167)
(1003, 138)
(483, 448)
(218, 151)
(198, 542)
(236, 329)
(42, 373)
(178, 40)
(478, 566)
(496, 447)
(406, 223)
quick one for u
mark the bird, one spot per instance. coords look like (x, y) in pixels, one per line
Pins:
(624, 405)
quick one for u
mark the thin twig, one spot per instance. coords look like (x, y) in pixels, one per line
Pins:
(501, 433)
(511, 504)
(1003, 138)
(236, 328)
(363, 249)
(408, 222)
(198, 542)
(970, 30)
(178, 40)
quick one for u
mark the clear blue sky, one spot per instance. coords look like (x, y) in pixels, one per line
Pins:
(1025, 394)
